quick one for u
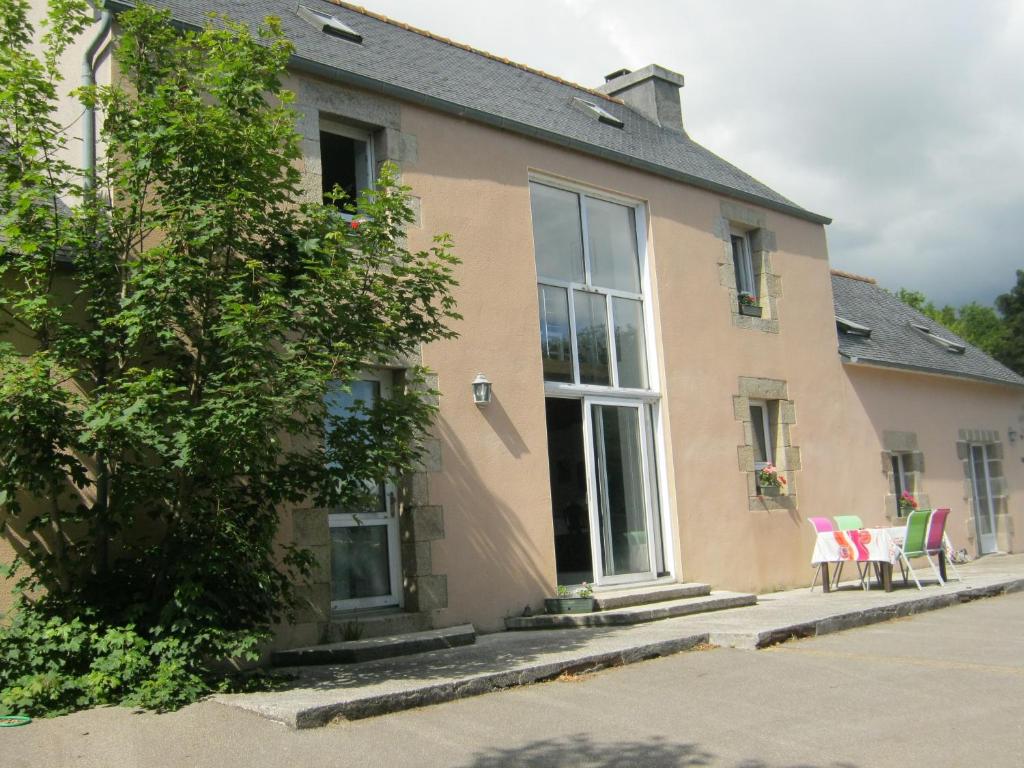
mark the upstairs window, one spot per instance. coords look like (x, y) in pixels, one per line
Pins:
(346, 157)
(589, 289)
(743, 262)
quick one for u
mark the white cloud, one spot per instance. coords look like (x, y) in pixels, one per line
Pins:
(903, 120)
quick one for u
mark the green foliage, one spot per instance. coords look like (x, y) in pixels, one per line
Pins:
(165, 346)
(1011, 305)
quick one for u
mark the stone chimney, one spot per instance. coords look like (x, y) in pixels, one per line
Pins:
(652, 91)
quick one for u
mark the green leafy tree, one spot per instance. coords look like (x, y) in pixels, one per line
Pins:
(165, 347)
(1011, 305)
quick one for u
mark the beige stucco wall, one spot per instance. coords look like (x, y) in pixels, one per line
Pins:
(498, 547)
(936, 408)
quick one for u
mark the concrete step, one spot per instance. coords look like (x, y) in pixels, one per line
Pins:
(624, 598)
(354, 651)
(636, 614)
(362, 625)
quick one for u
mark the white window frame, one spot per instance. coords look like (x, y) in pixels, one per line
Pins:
(613, 389)
(746, 278)
(899, 467)
(388, 518)
(348, 131)
(658, 470)
(769, 448)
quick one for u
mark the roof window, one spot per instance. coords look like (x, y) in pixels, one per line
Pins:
(851, 328)
(602, 115)
(328, 24)
(953, 347)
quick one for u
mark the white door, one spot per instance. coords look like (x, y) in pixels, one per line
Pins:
(984, 514)
(365, 566)
(622, 498)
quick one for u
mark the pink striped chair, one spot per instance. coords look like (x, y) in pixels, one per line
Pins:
(935, 541)
(820, 525)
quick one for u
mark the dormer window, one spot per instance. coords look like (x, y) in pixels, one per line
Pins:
(851, 328)
(330, 25)
(953, 347)
(602, 114)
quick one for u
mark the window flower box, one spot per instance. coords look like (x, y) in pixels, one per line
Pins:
(748, 304)
(750, 311)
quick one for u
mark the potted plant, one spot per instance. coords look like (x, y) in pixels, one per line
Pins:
(571, 600)
(749, 305)
(907, 503)
(770, 480)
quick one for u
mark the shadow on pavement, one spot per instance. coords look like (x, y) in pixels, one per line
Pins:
(580, 750)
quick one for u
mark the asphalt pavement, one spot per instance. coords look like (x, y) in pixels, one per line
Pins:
(940, 689)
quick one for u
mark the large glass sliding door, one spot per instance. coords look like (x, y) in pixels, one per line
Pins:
(602, 488)
(621, 481)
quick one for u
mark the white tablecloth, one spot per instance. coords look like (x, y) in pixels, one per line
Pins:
(863, 545)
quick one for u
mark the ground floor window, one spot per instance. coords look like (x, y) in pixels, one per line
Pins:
(365, 550)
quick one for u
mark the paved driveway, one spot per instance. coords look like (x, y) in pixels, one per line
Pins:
(940, 689)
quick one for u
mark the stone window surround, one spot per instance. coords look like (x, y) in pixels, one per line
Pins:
(992, 440)
(782, 415)
(906, 445)
(737, 217)
(420, 522)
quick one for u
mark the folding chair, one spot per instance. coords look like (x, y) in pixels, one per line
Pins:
(914, 544)
(820, 525)
(850, 523)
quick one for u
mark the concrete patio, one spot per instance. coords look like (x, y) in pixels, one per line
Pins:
(320, 695)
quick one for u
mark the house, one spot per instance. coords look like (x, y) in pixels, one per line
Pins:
(945, 419)
(656, 325)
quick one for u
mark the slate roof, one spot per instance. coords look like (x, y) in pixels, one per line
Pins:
(416, 66)
(895, 343)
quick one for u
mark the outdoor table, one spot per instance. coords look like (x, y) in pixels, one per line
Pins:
(865, 545)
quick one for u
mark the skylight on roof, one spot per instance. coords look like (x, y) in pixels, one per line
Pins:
(328, 24)
(603, 115)
(949, 345)
(851, 328)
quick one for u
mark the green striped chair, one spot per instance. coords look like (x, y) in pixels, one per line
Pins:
(914, 543)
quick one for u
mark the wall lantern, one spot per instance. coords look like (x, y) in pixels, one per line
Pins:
(481, 390)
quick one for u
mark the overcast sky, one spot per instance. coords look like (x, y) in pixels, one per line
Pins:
(902, 120)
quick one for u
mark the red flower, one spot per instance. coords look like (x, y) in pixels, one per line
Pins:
(354, 224)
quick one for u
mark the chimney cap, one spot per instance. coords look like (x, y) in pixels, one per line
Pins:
(624, 79)
(616, 74)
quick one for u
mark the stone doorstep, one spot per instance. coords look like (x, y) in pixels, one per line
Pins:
(353, 704)
(626, 597)
(379, 623)
(354, 651)
(635, 614)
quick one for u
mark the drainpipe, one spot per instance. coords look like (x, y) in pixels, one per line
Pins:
(88, 79)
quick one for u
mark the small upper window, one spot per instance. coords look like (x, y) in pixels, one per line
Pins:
(949, 345)
(328, 24)
(346, 158)
(743, 263)
(851, 328)
(602, 114)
